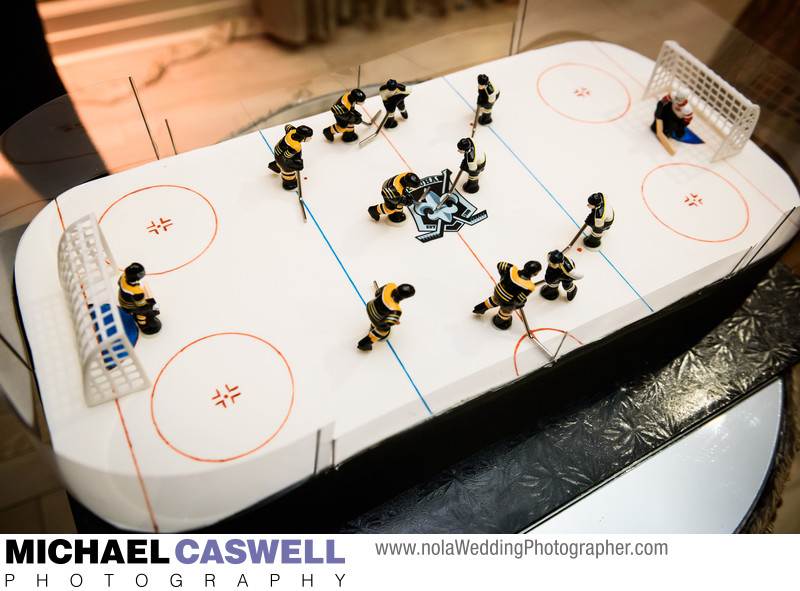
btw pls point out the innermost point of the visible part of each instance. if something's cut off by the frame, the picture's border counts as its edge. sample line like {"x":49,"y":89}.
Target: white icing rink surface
{"x":265,"y":309}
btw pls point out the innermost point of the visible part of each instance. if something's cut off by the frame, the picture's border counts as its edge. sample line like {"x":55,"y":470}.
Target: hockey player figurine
{"x":133,"y":299}
{"x":560,"y":269}
{"x":599,"y":220}
{"x":393,"y":96}
{"x":346,"y":115}
{"x":288,"y":154}
{"x":473,"y":163}
{"x":673,"y":115}
{"x":487,"y":95}
{"x":396,"y":192}
{"x":511,"y":293}
{"x":384,"y":312}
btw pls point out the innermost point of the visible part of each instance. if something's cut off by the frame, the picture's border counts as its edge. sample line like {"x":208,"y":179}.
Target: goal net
{"x":727,"y":110}
{"x":87,"y":272}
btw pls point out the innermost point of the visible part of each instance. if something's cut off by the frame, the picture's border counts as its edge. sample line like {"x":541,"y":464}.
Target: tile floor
{"x":216,"y":70}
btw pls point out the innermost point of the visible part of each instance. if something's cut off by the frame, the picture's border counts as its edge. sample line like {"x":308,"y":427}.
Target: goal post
{"x":87,"y":273}
{"x":727,"y":110}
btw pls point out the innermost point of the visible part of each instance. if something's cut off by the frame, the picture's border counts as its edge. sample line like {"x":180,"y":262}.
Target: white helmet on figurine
{"x":681,"y":95}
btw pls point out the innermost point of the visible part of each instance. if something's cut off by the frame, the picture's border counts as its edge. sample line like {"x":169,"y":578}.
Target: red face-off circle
{"x":222,"y":397}
{"x":583,"y":93}
{"x":695,"y":202}
{"x":163,"y":227}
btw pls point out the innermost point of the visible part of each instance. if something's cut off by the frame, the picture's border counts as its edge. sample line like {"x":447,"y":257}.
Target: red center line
{"x":476,"y":257}
{"x":383,"y":133}
{"x":399,"y":155}
{"x":463,"y":240}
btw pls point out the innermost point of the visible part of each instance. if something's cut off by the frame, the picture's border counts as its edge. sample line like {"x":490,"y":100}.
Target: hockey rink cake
{"x":255,"y":383}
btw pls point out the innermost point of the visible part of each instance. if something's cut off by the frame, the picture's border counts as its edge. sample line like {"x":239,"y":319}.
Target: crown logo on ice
{"x":450,"y":217}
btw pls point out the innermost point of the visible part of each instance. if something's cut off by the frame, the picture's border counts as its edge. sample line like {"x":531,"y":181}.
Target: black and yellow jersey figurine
{"x":289,"y":154}
{"x":384,"y":312}
{"x":396,"y":192}
{"x":133,"y":299}
{"x":511,"y":293}
{"x":346,"y":116}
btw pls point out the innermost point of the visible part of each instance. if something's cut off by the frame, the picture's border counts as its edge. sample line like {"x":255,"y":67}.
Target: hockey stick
{"x":530,"y":333}
{"x":373,"y":135}
{"x":475,"y":121}
{"x":663,"y":138}
{"x":371,"y":122}
{"x":450,"y":192}
{"x":574,"y":240}
{"x":300,"y":196}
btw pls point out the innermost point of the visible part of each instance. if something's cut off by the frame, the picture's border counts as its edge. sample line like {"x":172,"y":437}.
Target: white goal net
{"x":88,"y":273}
{"x":727,"y":110}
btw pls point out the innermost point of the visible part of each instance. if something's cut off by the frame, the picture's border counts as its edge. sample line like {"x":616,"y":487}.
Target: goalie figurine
{"x":599,"y":220}
{"x":560,"y":269}
{"x":672,"y":116}
{"x":394,"y":96}
{"x":384,"y":312}
{"x":289,"y":154}
{"x":511,"y":293}
{"x":396,"y":192}
{"x":346,"y":115}
{"x":136,"y":300}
